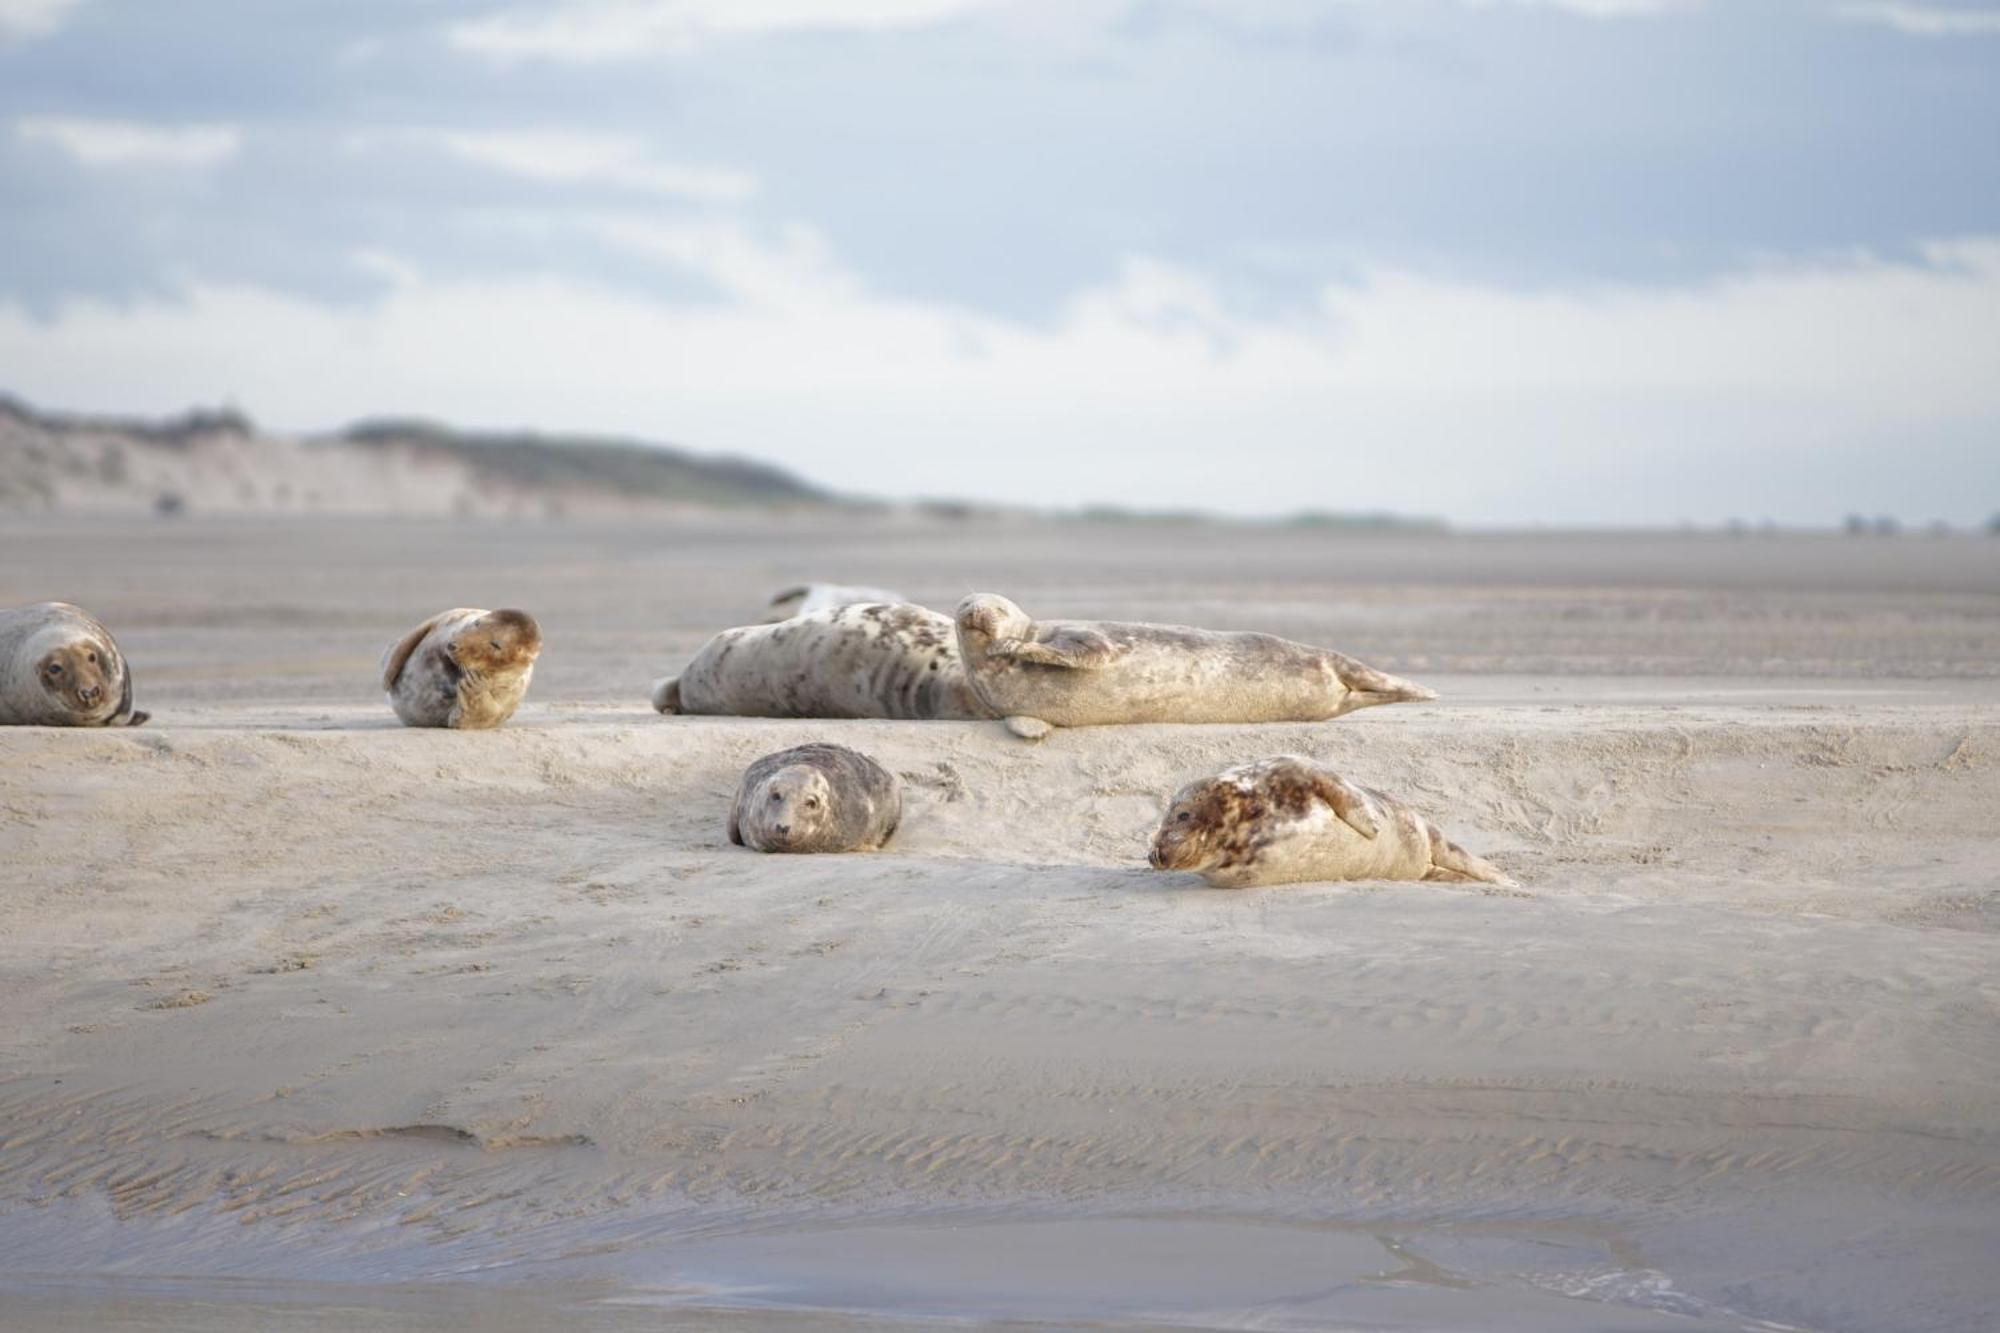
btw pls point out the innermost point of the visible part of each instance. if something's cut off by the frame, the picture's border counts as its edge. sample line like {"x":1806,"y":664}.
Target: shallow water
{"x":1109,"y":1272}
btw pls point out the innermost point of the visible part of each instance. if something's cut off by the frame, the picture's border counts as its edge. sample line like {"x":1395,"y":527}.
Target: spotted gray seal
{"x":60,"y":668}
{"x":463,"y":668}
{"x":1078,"y":673}
{"x":1287,"y":819}
{"x":815,"y":798}
{"x":873,"y":659}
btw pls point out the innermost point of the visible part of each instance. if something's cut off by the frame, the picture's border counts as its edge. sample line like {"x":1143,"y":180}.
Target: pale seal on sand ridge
{"x":1288,"y":820}
{"x":815,"y":798}
{"x":463,"y":668}
{"x":805,"y":598}
{"x":874,"y":659}
{"x":60,"y":668}
{"x":1079,"y":673}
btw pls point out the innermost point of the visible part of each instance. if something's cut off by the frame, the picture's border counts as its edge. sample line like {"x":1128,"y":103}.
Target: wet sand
{"x":310,"y":1011}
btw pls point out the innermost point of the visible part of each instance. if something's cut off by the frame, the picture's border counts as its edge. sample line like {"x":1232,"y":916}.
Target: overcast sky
{"x":1505,"y":261}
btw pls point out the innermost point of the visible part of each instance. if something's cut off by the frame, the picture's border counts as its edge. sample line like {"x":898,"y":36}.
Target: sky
{"x":1502,"y":261}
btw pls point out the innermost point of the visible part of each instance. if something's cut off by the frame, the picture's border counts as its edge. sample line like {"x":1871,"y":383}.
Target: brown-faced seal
{"x":464,"y":668}
{"x":875,"y":659}
{"x":815,"y":798}
{"x":1289,"y":820}
{"x":1079,"y":673}
{"x":60,"y":668}
{"x":805,"y":598}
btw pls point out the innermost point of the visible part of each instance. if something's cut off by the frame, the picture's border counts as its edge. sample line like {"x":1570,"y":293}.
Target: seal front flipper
{"x":126,"y":716}
{"x":1072,"y":646}
{"x":1347,"y":801}
{"x":1029,"y":728}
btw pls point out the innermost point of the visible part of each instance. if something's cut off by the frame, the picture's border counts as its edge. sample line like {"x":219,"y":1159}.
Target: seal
{"x":805,"y":598}
{"x":60,"y":668}
{"x":1287,"y":820}
{"x":1079,"y":673}
{"x":873,"y":659}
{"x":463,"y":668}
{"x":815,"y":798}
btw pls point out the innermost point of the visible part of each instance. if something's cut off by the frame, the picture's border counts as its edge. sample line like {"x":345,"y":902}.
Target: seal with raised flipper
{"x":872,"y":659}
{"x":805,"y":598}
{"x":815,"y":798}
{"x":60,"y":668}
{"x":1289,"y":820}
{"x":1077,"y":673}
{"x":464,"y":668}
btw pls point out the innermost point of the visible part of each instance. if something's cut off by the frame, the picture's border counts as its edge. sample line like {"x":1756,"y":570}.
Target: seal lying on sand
{"x":60,"y":668}
{"x":815,"y":798}
{"x":805,"y":598}
{"x":464,"y":668}
{"x":876,"y":659}
{"x":1288,"y":820}
{"x":1079,"y":673}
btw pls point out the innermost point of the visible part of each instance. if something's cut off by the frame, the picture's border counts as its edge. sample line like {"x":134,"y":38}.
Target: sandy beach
{"x":310,"y":1011}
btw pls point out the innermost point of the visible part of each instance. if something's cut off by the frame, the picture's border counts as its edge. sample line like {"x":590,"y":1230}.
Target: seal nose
{"x":782,"y":830}
{"x":90,"y":694}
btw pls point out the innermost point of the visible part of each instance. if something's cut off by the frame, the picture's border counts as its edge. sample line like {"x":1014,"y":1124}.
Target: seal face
{"x":60,"y":668}
{"x":871,"y":659}
{"x":815,"y":798}
{"x":1077,"y":673}
{"x":465,"y":668}
{"x":1288,"y":820}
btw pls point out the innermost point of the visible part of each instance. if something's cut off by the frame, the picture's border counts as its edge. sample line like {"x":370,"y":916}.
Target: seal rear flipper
{"x":1367,"y":687}
{"x":667,"y":695}
{"x":1452,"y":863}
{"x":399,"y":656}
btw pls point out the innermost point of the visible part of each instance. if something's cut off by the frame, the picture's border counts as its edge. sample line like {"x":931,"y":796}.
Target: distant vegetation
{"x":593,"y":463}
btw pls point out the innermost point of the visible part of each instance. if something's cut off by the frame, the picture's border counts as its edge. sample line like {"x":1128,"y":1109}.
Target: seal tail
{"x":667,"y":695}
{"x":1367,"y":687}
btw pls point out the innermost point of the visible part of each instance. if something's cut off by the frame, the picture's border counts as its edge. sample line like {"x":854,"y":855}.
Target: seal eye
{"x":812,"y":802}
{"x":93,"y":657}
{"x":55,"y":668}
{"x":776,"y":797}
{"x":1183,"y":817}
{"x":495,"y":643}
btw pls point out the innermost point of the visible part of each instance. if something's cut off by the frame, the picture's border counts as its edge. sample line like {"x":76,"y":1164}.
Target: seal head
{"x":60,"y":667}
{"x":815,"y":798}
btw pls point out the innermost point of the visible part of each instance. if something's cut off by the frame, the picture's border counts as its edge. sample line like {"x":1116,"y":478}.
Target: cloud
{"x":32,"y":18}
{"x":585,"y":31}
{"x":1403,"y":390}
{"x":1925,"y":20}
{"x":566,"y":157}
{"x":119,"y":143}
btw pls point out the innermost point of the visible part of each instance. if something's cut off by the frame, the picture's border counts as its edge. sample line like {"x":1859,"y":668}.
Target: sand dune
{"x":297,"y":993}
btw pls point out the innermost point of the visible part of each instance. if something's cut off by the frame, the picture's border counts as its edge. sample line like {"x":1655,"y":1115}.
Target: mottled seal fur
{"x":464,"y":668}
{"x":815,"y":798}
{"x":805,"y":598}
{"x":874,"y":659}
{"x":1288,"y":820}
{"x":60,"y":668}
{"x":1078,"y":673}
